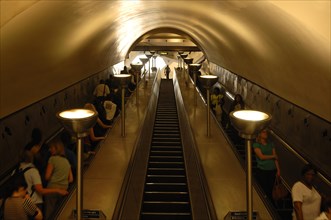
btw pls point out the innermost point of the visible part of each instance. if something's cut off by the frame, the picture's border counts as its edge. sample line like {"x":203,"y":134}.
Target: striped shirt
{"x":19,"y":208}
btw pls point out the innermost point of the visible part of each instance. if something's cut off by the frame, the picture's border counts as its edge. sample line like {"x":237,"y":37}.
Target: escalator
{"x":165,"y":179}
{"x":166,"y":193}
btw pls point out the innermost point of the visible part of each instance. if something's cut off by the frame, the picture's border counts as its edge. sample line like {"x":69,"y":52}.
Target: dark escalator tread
{"x":166,"y":178}
{"x":166,"y":196}
{"x":166,"y":192}
{"x":158,"y":164}
{"x":166,"y":187}
{"x":166,"y":158}
{"x":166,"y":206}
{"x":165,"y":216}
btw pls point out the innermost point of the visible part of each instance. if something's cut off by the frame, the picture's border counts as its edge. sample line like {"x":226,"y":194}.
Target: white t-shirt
{"x":32,"y":177}
{"x":310,"y":198}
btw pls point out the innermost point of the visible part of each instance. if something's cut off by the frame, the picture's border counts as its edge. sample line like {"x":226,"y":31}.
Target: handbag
{"x":279,"y":191}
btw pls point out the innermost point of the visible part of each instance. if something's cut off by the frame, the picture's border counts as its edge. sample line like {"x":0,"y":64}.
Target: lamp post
{"x":188,"y":61}
{"x":149,"y":64}
{"x":144,"y":61}
{"x":249,"y":123}
{"x":183,"y":56}
{"x":137,"y":68}
{"x":124,"y":80}
{"x":195,"y":68}
{"x":178,"y":62}
{"x":78,"y":121}
{"x":154,"y":63}
{"x":207,"y":82}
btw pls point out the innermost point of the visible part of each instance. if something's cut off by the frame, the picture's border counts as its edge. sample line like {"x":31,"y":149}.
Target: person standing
{"x":216,"y":100}
{"x":267,"y":162}
{"x":306,"y":199}
{"x":167,"y":71}
{"x":58,"y":174}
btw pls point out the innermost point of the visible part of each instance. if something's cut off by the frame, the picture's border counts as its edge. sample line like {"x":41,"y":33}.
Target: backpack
{"x":20,"y":172}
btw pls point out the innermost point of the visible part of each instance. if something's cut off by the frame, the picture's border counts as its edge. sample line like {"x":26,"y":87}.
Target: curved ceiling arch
{"x":271,"y":43}
{"x":165,"y":31}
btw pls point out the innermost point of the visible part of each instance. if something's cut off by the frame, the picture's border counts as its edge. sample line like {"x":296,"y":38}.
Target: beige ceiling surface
{"x":284,"y":46}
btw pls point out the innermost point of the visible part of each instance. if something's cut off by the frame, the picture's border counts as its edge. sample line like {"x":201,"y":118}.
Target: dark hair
{"x":16,"y":182}
{"x":307,"y":168}
{"x":58,"y":144}
{"x":216,"y":89}
{"x":29,"y":146}
{"x":36,"y":136}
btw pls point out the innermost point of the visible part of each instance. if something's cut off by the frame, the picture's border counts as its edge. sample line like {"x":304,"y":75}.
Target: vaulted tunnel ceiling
{"x":283,"y":46}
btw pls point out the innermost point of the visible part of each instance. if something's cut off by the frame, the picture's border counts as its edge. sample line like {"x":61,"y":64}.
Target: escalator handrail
{"x":289,"y":148}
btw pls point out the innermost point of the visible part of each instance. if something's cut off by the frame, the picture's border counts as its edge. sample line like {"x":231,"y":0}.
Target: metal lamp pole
{"x":249,"y":123}
{"x":195,"y":68}
{"x":207,"y":82}
{"x":78,"y":121}
{"x":124,"y":80}
{"x":137,"y":68}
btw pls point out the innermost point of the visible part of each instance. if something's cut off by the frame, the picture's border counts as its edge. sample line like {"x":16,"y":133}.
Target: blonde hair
{"x":58,"y":145}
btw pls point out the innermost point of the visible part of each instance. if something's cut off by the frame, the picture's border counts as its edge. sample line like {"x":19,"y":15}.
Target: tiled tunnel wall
{"x":16,"y":128}
{"x":303,"y":131}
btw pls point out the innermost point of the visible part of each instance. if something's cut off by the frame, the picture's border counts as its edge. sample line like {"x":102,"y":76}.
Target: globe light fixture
{"x":207,"y":81}
{"x":78,"y":122}
{"x":123,"y":81}
{"x":249,"y":123}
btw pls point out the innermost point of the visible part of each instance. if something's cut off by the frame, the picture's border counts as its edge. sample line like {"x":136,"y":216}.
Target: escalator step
{"x":166,"y":178}
{"x":165,"y":216}
{"x":166,"y":196}
{"x":166,"y":153}
{"x":166,"y":135}
{"x":158,"y":143}
{"x":165,"y":171}
{"x":166,"y":148}
{"x":166,"y":206}
{"x":166,"y":187}
{"x":166,"y":158}
{"x":166,"y":139}
{"x":158,"y":164}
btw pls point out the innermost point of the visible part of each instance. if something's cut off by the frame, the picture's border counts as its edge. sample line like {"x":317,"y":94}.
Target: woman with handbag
{"x":267,"y":162}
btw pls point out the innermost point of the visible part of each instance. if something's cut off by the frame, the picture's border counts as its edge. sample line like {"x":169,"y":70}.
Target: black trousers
{"x":266,"y":179}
